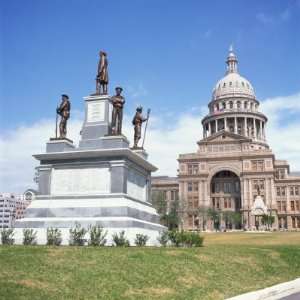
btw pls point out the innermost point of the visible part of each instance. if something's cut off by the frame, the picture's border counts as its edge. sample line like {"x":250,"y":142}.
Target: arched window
{"x":224,"y":105}
{"x":231,"y":105}
{"x":238,"y":104}
{"x":245,"y":104}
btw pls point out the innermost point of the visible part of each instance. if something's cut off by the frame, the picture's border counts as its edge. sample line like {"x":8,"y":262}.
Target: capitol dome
{"x":233,"y":84}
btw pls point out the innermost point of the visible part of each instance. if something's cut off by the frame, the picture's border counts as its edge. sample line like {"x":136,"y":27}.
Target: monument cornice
{"x":94,"y":153}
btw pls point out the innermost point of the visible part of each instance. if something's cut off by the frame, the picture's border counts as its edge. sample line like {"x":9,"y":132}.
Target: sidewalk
{"x":284,"y":291}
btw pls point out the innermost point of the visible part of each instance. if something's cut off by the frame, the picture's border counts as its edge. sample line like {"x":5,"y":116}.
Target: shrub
{"x":141,"y":239}
{"x":175,"y":237}
{"x":7,"y":236}
{"x":97,"y":236}
{"x":120,"y":239}
{"x":185,"y":239}
{"x":163,"y":238}
{"x":191,"y":239}
{"x":77,"y":235}
{"x":29,"y":237}
{"x":53,"y":236}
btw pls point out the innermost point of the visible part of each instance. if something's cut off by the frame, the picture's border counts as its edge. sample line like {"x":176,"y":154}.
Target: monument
{"x":100,"y":182}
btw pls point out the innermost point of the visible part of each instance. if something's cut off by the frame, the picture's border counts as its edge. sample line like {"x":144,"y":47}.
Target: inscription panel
{"x":136,"y":185}
{"x":80,"y":181}
{"x":96,"y":112}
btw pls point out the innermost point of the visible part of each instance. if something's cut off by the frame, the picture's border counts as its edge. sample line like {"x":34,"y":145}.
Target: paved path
{"x":292,"y":297}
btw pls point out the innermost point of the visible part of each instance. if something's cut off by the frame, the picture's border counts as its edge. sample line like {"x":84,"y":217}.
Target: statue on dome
{"x":102,"y":76}
{"x":118,"y":102}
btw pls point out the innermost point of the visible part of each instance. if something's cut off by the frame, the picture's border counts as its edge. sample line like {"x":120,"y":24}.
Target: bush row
{"x":97,"y":237}
{"x":180,"y":239}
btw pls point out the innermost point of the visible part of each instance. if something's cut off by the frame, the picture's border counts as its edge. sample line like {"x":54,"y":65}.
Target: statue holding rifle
{"x":64,"y":111}
{"x":137,"y":121}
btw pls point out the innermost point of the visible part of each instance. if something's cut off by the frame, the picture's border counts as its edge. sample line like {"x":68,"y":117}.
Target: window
{"x":297,"y":190}
{"x":297,"y":205}
{"x":292,"y":205}
{"x":257,"y":165}
{"x":190,"y":186}
{"x":195,"y":186}
{"x":225,"y":203}
{"x":238,"y":104}
{"x":279,"y":205}
{"x":193,"y":169}
{"x":245,"y":104}
{"x":291,"y":190}
{"x":278,"y":191}
{"x":231,"y":105}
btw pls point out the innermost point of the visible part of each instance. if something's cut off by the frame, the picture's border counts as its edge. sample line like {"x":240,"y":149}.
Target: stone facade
{"x":234,"y":163}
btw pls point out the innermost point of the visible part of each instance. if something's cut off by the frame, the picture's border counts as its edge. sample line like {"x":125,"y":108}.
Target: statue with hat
{"x":118,"y":102}
{"x":64,"y":111}
{"x":137,"y":121}
{"x":102,"y":75}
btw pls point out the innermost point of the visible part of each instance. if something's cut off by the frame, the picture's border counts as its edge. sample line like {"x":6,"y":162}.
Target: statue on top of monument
{"x":137,"y":121}
{"x":102,"y":75}
{"x":118,"y":102}
{"x":64,"y":111}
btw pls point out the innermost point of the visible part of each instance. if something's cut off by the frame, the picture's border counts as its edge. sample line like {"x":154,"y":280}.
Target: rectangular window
{"x":293,"y":222}
{"x":225,"y":203}
{"x":190,"y":186}
{"x":291,"y":190}
{"x":283,"y":204}
{"x":279,"y":205}
{"x":297,"y":205}
{"x":297,"y":190}
{"x":278,"y":191}
{"x":195,"y":186}
{"x":283,"y":191}
{"x":292,"y":205}
{"x":190,"y":170}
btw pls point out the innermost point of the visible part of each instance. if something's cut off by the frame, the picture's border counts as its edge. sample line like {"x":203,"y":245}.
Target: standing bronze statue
{"x":102,"y":76}
{"x":118,"y":102}
{"x":137,"y":121}
{"x":64,"y":111}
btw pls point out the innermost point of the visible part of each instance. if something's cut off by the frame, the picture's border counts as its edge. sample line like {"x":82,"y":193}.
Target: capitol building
{"x":234,"y":170}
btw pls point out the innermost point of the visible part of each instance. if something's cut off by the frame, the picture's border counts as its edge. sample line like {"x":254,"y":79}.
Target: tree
{"x":215,"y":216}
{"x":202,"y":213}
{"x":160,"y":204}
{"x":267,"y":220}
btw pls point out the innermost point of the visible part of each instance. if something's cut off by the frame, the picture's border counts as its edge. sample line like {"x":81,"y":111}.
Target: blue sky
{"x":166,"y":54}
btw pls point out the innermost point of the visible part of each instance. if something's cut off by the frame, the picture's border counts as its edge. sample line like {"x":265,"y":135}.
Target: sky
{"x":166,"y":55}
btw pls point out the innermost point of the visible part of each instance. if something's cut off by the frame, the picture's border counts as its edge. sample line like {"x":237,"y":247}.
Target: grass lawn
{"x":227,"y":265}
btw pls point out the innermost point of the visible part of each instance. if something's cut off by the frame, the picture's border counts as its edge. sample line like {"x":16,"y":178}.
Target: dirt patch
{"x":36,"y":284}
{"x":204,"y":258}
{"x":154,"y":292}
{"x":190,"y":281}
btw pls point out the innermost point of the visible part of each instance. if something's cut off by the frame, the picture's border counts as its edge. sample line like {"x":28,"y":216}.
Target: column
{"x":254,"y":128}
{"x":245,"y":126}
{"x":209,"y":129}
{"x":235,"y":125}
{"x":225,"y":124}
{"x":216,"y":125}
{"x":260,"y":130}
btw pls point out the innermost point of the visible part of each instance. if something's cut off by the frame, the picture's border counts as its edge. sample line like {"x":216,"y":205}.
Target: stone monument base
{"x":114,"y":213}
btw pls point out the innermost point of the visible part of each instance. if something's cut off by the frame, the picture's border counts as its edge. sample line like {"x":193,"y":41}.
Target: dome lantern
{"x":231,"y":61}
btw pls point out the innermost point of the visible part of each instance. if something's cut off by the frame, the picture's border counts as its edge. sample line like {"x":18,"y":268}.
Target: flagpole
{"x":148,"y":114}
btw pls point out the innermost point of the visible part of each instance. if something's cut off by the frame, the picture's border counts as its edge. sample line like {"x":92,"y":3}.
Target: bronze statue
{"x":102,"y":76}
{"x":118,"y":102}
{"x":64,"y":111}
{"x":137,"y":121}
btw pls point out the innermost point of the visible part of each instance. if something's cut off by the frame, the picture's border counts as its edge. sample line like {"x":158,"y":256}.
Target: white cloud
{"x":166,"y":138}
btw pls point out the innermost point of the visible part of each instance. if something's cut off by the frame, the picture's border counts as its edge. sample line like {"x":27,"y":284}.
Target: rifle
{"x":148,"y":115}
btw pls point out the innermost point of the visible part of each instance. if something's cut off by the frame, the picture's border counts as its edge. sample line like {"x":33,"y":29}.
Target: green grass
{"x":227,"y":265}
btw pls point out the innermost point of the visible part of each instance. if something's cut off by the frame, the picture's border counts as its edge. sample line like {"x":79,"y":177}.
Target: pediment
{"x":225,"y":136}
